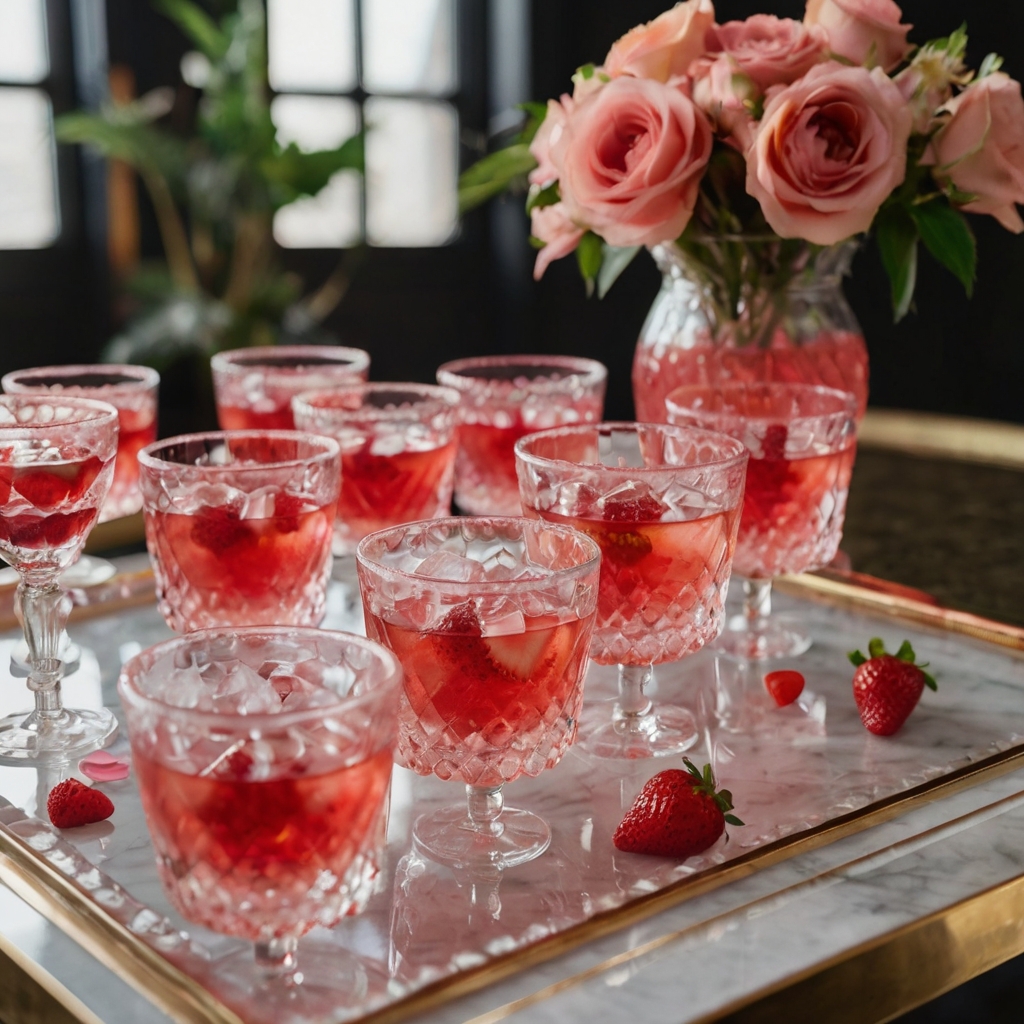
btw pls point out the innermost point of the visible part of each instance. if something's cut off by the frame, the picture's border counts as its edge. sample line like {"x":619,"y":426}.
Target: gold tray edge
{"x":68,"y":907}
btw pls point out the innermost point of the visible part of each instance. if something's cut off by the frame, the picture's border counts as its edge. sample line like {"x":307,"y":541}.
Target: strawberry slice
{"x":287,"y":510}
{"x":645,"y":509}
{"x":520,"y":654}
{"x":6,"y":476}
{"x":774,"y":443}
{"x":785,"y":685}
{"x":57,"y":483}
{"x":218,"y":529}
{"x":71,"y":804}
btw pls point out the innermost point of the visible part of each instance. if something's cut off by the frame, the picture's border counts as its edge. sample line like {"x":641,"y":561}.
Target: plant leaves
{"x":117,"y":136}
{"x":947,"y":236}
{"x":493,"y":174}
{"x":304,"y":174}
{"x":589,"y":254}
{"x":543,"y":196}
{"x":897,"y":238}
{"x":200,"y":28}
{"x":616,"y":259}
{"x":876,"y":647}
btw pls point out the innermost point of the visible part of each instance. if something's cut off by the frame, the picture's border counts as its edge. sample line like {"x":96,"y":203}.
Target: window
{"x":29,"y":217}
{"x":389,"y":65}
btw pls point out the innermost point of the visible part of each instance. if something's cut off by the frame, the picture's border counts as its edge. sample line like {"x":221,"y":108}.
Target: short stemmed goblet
{"x":663,"y":504}
{"x":491,"y":619}
{"x":56,"y":463}
{"x":264,"y":757}
{"x":802,"y":443}
{"x":254,"y":387}
{"x":504,"y":398}
{"x":239,"y":525}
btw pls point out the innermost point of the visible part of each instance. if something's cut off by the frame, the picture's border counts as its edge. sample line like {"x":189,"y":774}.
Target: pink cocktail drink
{"x":663,"y":505}
{"x":503,"y":399}
{"x":802,"y":443}
{"x":264,"y":758}
{"x":398,"y":444}
{"x":132,"y":390}
{"x":239,"y":526}
{"x":254,"y":387}
{"x":491,"y":619}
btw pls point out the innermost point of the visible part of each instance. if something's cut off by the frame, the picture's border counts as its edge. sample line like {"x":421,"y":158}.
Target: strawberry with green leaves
{"x":677,"y":814}
{"x":887,"y":687}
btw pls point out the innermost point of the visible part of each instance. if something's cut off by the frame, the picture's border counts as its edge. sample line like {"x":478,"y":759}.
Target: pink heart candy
{"x":103,"y":767}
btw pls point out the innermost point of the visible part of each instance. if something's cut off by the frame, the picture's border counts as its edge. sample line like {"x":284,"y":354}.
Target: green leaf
{"x":141,"y":145}
{"x":947,"y":236}
{"x":731,"y":819}
{"x":542,"y":196}
{"x":856,"y":658}
{"x":535,"y":115}
{"x":929,"y":681}
{"x":493,"y":174}
{"x":897,"y":242}
{"x":906,"y":652}
{"x":586,"y":71}
{"x":197,"y":25}
{"x":589,"y":254}
{"x":616,"y":259}
{"x":304,"y":174}
{"x":876,"y":647}
{"x":992,"y":62}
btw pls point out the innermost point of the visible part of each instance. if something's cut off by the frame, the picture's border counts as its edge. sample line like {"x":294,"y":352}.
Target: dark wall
{"x":415,"y":308}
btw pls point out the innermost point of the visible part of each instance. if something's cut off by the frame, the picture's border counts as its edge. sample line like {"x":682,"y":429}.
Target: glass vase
{"x":749,"y":309}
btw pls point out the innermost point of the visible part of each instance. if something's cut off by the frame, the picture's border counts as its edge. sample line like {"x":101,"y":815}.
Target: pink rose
{"x":828,"y":151}
{"x":722,"y":93}
{"x":981,"y":148}
{"x":547,"y":134}
{"x":665,"y":47}
{"x":770,"y":50}
{"x":630,"y":159}
{"x":552,"y":226}
{"x":862,"y":29}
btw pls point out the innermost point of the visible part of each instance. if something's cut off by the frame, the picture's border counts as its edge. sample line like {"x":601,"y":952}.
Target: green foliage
{"x":947,"y":236}
{"x":589,"y":256}
{"x":493,"y":174}
{"x":897,"y":238}
{"x":614,"y":261}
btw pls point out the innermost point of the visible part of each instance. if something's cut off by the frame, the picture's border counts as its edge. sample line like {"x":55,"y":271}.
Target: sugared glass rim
{"x":480,"y":586}
{"x":459,"y":373}
{"x":92,"y":410}
{"x":698,"y":434}
{"x":330,"y":449}
{"x":423,"y":398}
{"x":130,"y":693}
{"x":141,"y":378}
{"x":846,"y":404}
{"x":237,"y":361}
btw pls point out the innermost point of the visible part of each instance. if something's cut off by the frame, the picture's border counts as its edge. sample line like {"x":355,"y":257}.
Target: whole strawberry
{"x":887,"y":687}
{"x":677,"y":814}
{"x":71,"y":804}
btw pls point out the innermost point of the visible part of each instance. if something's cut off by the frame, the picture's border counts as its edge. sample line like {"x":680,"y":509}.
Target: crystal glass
{"x":491,"y":619}
{"x":504,"y":398}
{"x":802,"y":443}
{"x":737,"y":308}
{"x":239,"y":526}
{"x":263,"y":757}
{"x":398,"y":445}
{"x":56,"y":462}
{"x":663,"y":504}
{"x":254,"y":387}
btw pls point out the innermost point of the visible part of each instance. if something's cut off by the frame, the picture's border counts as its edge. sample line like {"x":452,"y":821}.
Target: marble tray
{"x":801,"y":776}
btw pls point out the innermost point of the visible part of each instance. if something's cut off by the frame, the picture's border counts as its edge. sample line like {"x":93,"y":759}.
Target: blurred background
{"x":395,"y":270}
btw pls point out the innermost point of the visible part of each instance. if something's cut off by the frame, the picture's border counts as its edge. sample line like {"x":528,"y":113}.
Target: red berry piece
{"x":785,"y":685}
{"x":677,"y":814}
{"x":71,"y":804}
{"x":219,"y":528}
{"x":645,"y":509}
{"x":887,"y":687}
{"x":774,"y":443}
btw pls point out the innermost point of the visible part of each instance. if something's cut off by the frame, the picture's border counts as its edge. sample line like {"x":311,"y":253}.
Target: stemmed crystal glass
{"x":491,"y":619}
{"x":264,"y":757}
{"x":802,"y":441}
{"x":56,"y":463}
{"x":663,"y":504}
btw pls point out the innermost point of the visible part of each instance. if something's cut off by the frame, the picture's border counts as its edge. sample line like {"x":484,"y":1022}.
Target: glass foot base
{"x":777,"y":636}
{"x":666,"y":729}
{"x":88,"y":571}
{"x":26,"y":739}
{"x":446,"y":836}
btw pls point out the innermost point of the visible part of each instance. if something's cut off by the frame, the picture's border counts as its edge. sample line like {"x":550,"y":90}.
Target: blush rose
{"x":769,"y":50}
{"x":828,"y":151}
{"x":547,"y":134}
{"x":862,"y":29}
{"x":665,"y":47}
{"x":981,"y":148}
{"x":723,"y":93}
{"x":629,"y":161}
{"x":552,"y":226}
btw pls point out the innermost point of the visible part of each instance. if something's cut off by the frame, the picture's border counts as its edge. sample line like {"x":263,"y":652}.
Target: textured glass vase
{"x":737,"y":308}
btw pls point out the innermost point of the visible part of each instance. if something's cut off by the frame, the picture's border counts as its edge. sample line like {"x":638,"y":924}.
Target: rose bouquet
{"x":794,"y":135}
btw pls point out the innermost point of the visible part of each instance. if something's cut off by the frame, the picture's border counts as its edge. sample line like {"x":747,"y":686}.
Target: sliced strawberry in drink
{"x":520,"y":655}
{"x":287,"y":510}
{"x":6,"y":476}
{"x":47,"y":487}
{"x":219,"y":529}
{"x":644,"y":509}
{"x":774,"y":443}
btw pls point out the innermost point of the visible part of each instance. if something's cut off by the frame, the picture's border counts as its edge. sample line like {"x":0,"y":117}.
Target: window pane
{"x":409,"y":46}
{"x":28,"y":198}
{"x":411,"y":172}
{"x":329,"y":220}
{"x":23,"y":56}
{"x":312,"y":45}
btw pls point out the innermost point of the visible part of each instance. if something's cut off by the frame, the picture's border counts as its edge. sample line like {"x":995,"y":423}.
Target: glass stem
{"x":278,"y":960}
{"x":484,"y":804}
{"x":757,"y":599}
{"x":44,"y":613}
{"x":633,"y":703}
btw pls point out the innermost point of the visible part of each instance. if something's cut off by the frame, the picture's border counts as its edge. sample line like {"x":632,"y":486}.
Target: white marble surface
{"x":787,"y":769}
